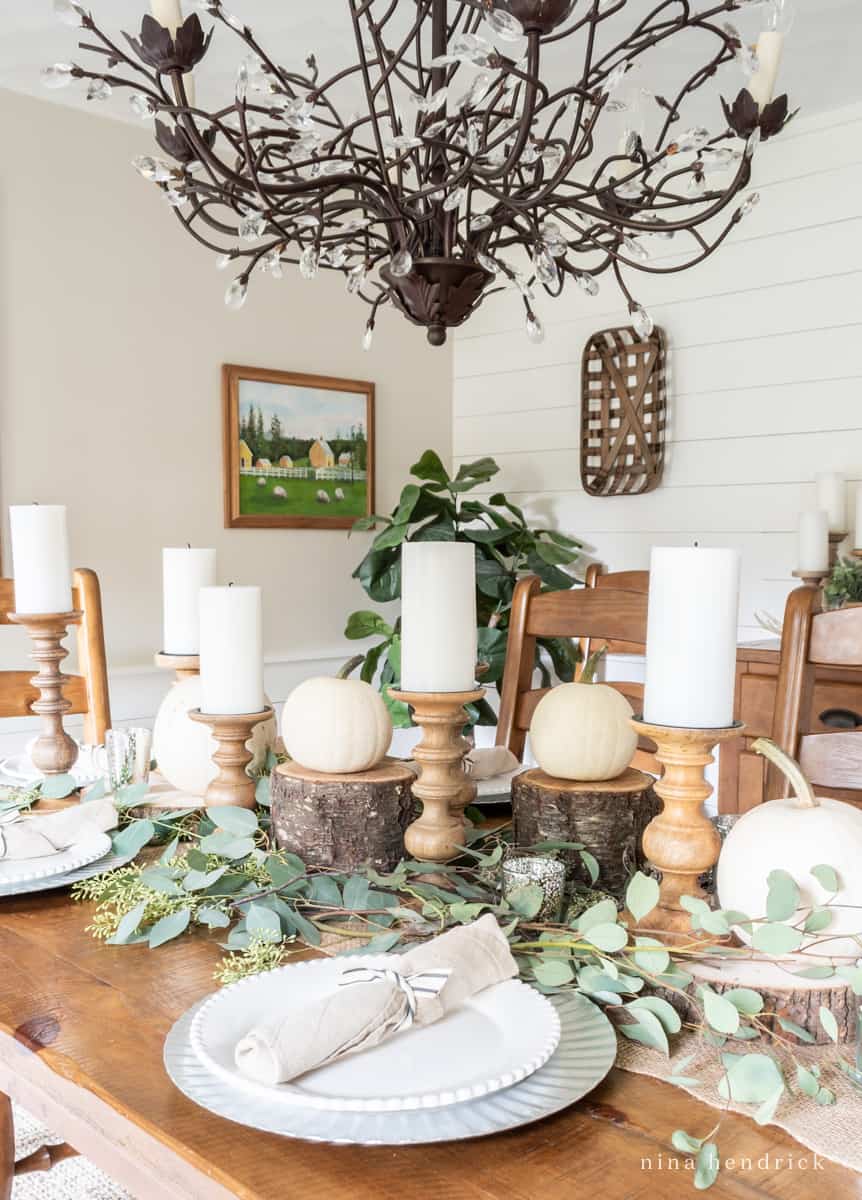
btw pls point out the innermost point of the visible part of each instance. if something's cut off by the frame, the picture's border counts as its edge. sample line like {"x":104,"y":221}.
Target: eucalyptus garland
{"x":220,"y":872}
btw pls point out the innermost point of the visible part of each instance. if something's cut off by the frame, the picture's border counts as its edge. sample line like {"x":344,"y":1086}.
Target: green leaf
{"x":406,"y":504}
{"x":665,"y":1012}
{"x":749,"y":1078}
{"x":591,"y":864}
{"x":797,"y":1030}
{"x":57,"y":787}
{"x":170,"y":851}
{"x":225,"y":845}
{"x":552,"y":577}
{"x":715,"y":922}
{"x":481,"y":470}
{"x":492,"y":650}
{"x":133,"y":838}
{"x":498,"y":500}
{"x":303,"y":928}
{"x":380,"y":575}
{"x":161,"y":880}
{"x":212,"y":917}
{"x":766,"y":1111}
{"x":240,"y":822}
{"x":642,"y":895}
{"x":356,"y":891}
{"x":263,"y":792}
{"x":853,"y":975}
{"x":808,"y":1083}
{"x":555,"y":555}
{"x":390,"y":537}
{"x":602,"y":913}
{"x":169,"y":927}
{"x":815,"y":973}
{"x":782,"y":899}
{"x":827,"y":877}
{"x":263,"y":922}
{"x":707,"y":1167}
{"x":697,"y":908}
{"x":366,"y":623}
{"x":489,"y":537}
{"x":746,"y":1000}
{"x":825,"y":1096}
{"x":199,"y":881}
{"x":827,"y":1020}
{"x":607,"y":937}
{"x":554,"y":972}
{"x":722,"y":1015}
{"x":325,"y":890}
{"x":361,"y":524}
{"x":655,"y":961}
{"x":526,"y":900}
{"x":97,"y":791}
{"x":381,"y":943}
{"x":430,"y":467}
{"x":817,"y":920}
{"x":648,"y":1030}
{"x":776,"y":939}
{"x":684,"y":1142}
{"x":128,"y":924}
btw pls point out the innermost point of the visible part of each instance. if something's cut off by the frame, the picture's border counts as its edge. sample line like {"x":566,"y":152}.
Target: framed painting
{"x":298,"y":450}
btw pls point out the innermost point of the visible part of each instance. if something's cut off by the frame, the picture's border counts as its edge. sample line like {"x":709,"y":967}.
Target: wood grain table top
{"x":82,"y":1028}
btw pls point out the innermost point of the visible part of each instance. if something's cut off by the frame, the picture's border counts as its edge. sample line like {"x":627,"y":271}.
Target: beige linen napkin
{"x":36,"y":836}
{"x":359,"y":1015}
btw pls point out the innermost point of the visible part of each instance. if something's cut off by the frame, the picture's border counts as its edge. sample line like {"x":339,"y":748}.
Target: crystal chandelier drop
{"x":445,"y":161}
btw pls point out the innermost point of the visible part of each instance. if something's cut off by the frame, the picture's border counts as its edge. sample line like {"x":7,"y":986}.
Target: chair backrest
{"x":832,"y":760}
{"x":87,"y":691}
{"x":597,"y":614}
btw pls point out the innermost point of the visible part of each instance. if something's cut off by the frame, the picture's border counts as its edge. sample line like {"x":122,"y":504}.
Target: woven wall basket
{"x":623,"y":412}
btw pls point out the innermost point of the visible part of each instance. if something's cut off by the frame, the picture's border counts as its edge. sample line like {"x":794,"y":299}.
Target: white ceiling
{"x":820,"y":68}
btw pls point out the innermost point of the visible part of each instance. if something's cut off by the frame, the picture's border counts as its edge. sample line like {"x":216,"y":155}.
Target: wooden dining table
{"x":82,"y":1029}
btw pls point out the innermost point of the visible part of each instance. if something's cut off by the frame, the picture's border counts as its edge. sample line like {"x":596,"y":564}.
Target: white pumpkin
{"x":583,"y":731}
{"x":795,"y":835}
{"x":183,"y":749}
{"x":336,"y":726}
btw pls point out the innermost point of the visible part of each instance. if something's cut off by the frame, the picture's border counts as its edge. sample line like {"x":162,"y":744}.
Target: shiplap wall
{"x":765,"y":377}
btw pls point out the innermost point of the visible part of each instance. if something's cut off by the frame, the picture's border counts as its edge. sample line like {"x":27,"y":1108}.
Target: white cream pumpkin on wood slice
{"x":336,"y":726}
{"x":814,"y":839}
{"x":583,"y":730}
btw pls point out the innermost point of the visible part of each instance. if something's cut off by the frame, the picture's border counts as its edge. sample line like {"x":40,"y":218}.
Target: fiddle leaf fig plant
{"x":438,"y":507}
{"x":844,"y":585}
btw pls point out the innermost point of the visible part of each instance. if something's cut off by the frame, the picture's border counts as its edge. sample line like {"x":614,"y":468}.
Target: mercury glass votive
{"x":723,"y":822}
{"x":521,"y":867}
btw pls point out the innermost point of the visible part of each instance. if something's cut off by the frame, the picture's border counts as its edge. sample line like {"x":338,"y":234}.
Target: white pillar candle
{"x":691,"y":637}
{"x":184,"y":572}
{"x":40,"y":558}
{"x":167,"y":13}
{"x":761,"y":85}
{"x":438,"y":617}
{"x":231,"y":650}
{"x":832,"y":498}
{"x":813,"y":540}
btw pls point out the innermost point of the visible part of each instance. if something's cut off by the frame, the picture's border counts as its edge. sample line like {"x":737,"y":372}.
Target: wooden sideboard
{"x":741,"y":773}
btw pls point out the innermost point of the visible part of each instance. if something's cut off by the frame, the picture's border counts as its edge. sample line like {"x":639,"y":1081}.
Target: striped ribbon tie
{"x":420,"y":983}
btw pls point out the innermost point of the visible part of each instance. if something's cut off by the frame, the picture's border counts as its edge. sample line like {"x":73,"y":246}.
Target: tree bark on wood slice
{"x":608,"y":816}
{"x":784,"y":995}
{"x":343,"y":821}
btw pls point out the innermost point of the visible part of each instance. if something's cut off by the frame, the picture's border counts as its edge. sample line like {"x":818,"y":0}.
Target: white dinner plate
{"x":18,"y":771}
{"x":586,"y":1053}
{"x":495,"y":1039}
{"x":25,"y":870}
{"x":98,"y":867}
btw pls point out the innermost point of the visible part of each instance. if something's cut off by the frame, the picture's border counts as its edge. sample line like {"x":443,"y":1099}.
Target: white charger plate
{"x":98,"y":867}
{"x":495,"y":1039}
{"x":18,"y":771}
{"x":26,"y":870}
{"x":586,"y":1053}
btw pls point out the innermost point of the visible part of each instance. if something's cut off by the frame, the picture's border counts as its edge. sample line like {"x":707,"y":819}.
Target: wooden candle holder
{"x":443,"y":785}
{"x":812,"y":579}
{"x":835,"y":540}
{"x":232,"y":785}
{"x":54,"y":752}
{"x":681,"y":841}
{"x":185,"y":666}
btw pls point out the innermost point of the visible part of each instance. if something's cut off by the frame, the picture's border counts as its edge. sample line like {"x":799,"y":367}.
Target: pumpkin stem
{"x":588,"y":671}
{"x":350,"y":666}
{"x":790,"y":767}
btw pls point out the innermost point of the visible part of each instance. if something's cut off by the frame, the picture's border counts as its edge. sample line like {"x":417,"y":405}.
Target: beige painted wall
{"x":112,"y":334}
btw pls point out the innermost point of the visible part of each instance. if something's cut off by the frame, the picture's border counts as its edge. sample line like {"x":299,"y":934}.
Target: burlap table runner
{"x":833,"y":1131}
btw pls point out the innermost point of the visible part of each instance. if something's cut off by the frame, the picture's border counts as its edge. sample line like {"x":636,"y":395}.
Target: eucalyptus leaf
{"x":199,"y":881}
{"x":607,"y":937}
{"x":776,"y":939}
{"x":128,"y":924}
{"x":263,"y":922}
{"x":818,"y":919}
{"x":707,"y":1166}
{"x":96,"y":791}
{"x":827,"y":877}
{"x":602,"y":913}
{"x":381,"y":943}
{"x":827,"y":1020}
{"x":791,"y":1027}
{"x":642,"y":895}
{"x":825,"y":1096}
{"x":304,"y":928}
{"x":170,"y":851}
{"x":721,"y":1013}
{"x":665,"y":1012}
{"x":749,"y":1078}
{"x":356,"y":891}
{"x":325,"y":890}
{"x":766,"y":1111}
{"x":169,"y":927}
{"x":853,"y":975}
{"x":161,"y":880}
{"x":807,"y":1081}
{"x":815,"y":973}
{"x":591,"y":864}
{"x":782,"y":899}
{"x":263,"y":792}
{"x":133,"y":838}
{"x":746,"y":1000}
{"x":648,"y":1030}
{"x":240,"y":822}
{"x":555,"y":972}
{"x":212,"y":917}
{"x":651,"y":955}
{"x":684,"y":1142}
{"x":526,"y":900}
{"x":57,"y":787}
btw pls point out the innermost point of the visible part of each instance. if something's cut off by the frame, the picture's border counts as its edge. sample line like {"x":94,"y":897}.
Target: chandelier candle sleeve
{"x":40,"y":558}
{"x":832,"y":497}
{"x":691,"y":637}
{"x":813,"y":541}
{"x":231,"y":651}
{"x":168,"y":13}
{"x":770,"y":47}
{"x":438,"y":617}
{"x":184,"y":572}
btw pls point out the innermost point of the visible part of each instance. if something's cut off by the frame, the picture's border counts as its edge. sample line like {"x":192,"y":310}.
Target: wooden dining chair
{"x":88,"y":690}
{"x":812,"y":641}
{"x":610,"y":610}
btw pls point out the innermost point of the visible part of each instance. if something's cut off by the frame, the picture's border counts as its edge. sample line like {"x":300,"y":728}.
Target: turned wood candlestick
{"x":681,"y":841}
{"x":54,"y":752}
{"x":812,"y":579}
{"x":185,"y":666}
{"x":835,"y":540}
{"x":443,"y":785}
{"x":232,"y":785}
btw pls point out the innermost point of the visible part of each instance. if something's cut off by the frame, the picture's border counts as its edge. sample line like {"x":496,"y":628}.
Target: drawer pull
{"x":840,"y":718}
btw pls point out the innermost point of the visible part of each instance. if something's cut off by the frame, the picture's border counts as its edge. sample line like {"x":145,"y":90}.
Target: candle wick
{"x":697,"y":545}
{"x":188,"y":545}
{"x":230,"y":584}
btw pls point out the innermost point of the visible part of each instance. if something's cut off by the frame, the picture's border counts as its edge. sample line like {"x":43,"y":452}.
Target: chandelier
{"x":446,"y":162}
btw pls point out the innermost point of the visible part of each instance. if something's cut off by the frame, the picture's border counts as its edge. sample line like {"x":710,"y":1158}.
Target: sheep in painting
{"x":261,"y":482}
{"x":280,"y":493}
{"x":339,"y":493}
{"x":322,"y":497}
